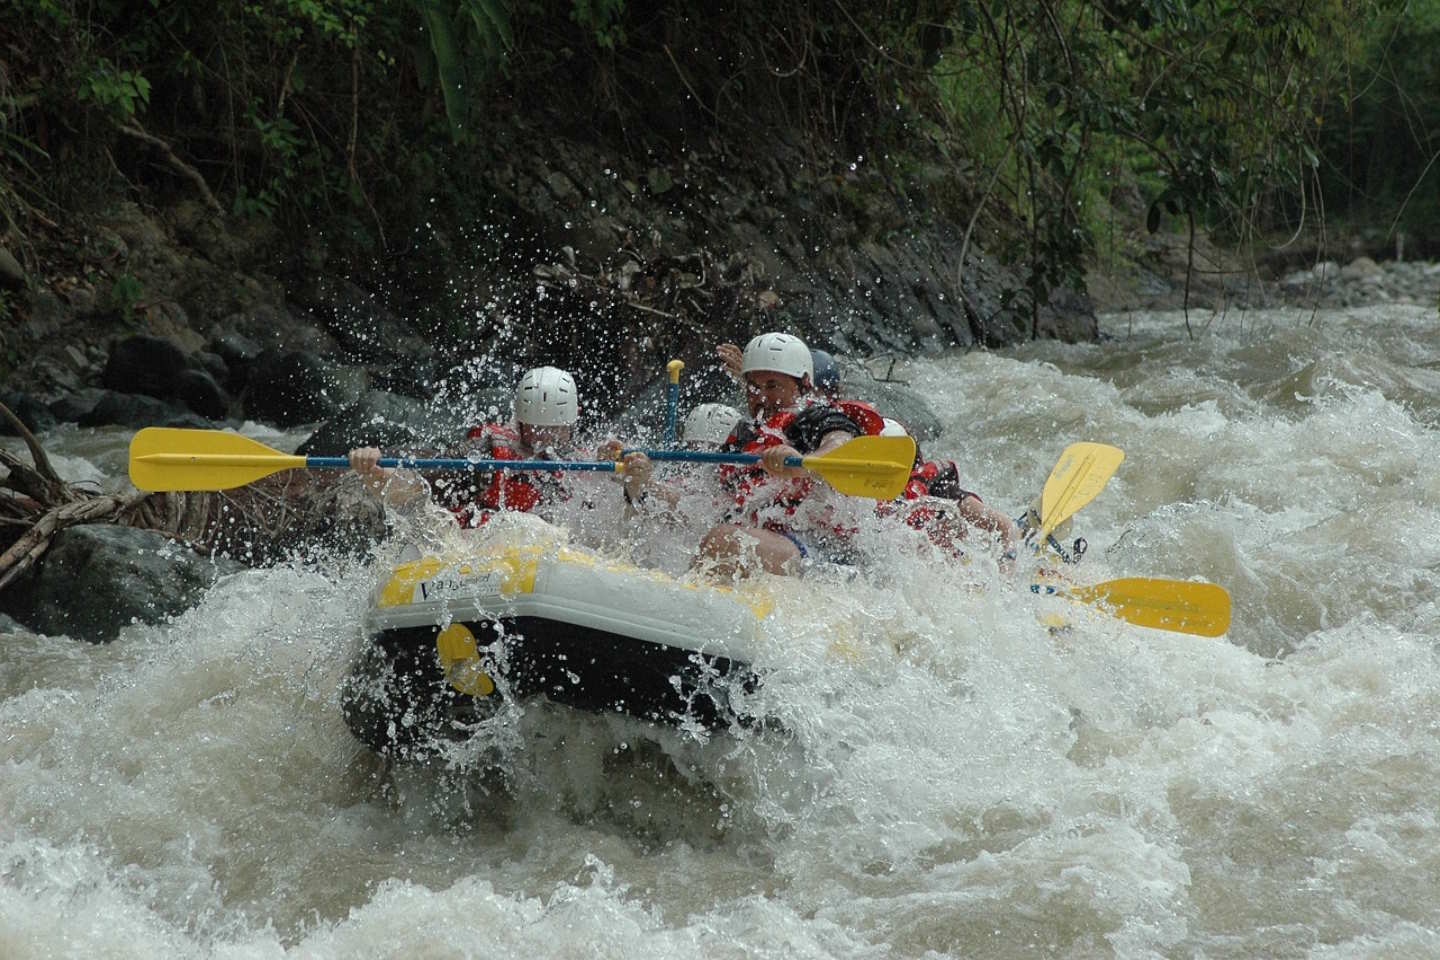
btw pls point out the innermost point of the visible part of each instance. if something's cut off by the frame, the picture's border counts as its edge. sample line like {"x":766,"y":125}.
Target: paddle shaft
{"x":165,"y":458}
{"x":454,"y":463}
{"x":342,"y":463}
{"x":710,"y":456}
{"x":672,"y":402}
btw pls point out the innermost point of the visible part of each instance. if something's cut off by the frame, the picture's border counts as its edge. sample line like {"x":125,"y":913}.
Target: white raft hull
{"x":451,"y":635}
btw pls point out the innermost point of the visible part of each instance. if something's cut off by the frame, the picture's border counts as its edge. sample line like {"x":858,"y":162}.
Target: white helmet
{"x":546,"y":398}
{"x":709,"y":423}
{"x":893,"y":428}
{"x":779,"y":352}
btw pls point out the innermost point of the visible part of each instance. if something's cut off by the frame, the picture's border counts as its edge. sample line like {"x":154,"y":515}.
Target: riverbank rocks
{"x":295,"y":387}
{"x":12,"y":275}
{"x":34,"y":413}
{"x":399,"y":425}
{"x":160,"y":368}
{"x":1224,"y":280}
{"x":96,"y":579}
{"x":1363,"y":281}
{"x":892,"y":398}
{"x":112,"y":407}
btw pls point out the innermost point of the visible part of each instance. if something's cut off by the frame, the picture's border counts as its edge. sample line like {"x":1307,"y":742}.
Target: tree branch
{"x":189,"y":172}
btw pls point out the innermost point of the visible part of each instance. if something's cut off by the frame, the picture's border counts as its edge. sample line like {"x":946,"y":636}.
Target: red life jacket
{"x":929,"y":478}
{"x":506,"y":489}
{"x":753,"y":488}
{"x":940,"y":478}
{"x":866,"y":417}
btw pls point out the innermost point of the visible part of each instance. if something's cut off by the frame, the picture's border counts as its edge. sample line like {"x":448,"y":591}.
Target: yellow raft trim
{"x":518,"y":566}
{"x":460,"y":661}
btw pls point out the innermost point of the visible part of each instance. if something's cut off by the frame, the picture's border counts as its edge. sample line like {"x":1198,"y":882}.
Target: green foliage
{"x":123,"y":92}
{"x":1387,"y":92}
{"x":125,"y":293}
{"x":289,"y":20}
{"x":601,"y":19}
{"x":1211,"y":108}
{"x":468,"y":42}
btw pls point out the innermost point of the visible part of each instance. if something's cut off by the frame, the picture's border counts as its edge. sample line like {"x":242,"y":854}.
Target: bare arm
{"x":397,"y":488}
{"x":986,"y":517}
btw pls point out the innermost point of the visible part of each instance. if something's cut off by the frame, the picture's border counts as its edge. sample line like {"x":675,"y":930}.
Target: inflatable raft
{"x":452,"y":635}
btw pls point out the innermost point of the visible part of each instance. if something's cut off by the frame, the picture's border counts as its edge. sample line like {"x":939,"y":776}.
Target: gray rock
{"x":71,"y":407}
{"x":238,"y":352}
{"x":276,"y":328}
{"x":48,"y":316}
{"x":9,"y":624}
{"x":231,"y":345}
{"x":893,"y":400}
{"x":399,"y":425}
{"x":297,"y":387}
{"x":145,"y":364}
{"x":56,"y":377}
{"x":12,"y":275}
{"x":32,"y":412}
{"x":561,"y":186}
{"x":95,"y":579}
{"x":1360,"y":268}
{"x":137,"y":410}
{"x":199,"y":391}
{"x":133,"y":228}
{"x":365,"y":329}
{"x":213,"y":364}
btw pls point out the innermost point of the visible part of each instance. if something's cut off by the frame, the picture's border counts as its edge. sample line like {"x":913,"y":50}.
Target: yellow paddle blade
{"x":1183,"y":606}
{"x":876,"y":467}
{"x":166,"y":458}
{"x":1079,"y":474}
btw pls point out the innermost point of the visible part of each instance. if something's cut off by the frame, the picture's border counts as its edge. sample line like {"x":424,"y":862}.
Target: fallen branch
{"x":34,"y":542}
{"x":189,"y":172}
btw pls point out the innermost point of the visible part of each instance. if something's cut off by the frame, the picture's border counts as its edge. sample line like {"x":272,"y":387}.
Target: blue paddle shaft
{"x":673,"y":401}
{"x":710,"y":456}
{"x":423,"y":463}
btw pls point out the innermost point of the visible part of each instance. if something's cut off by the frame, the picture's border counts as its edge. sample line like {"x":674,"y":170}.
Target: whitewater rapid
{"x":959,"y":781}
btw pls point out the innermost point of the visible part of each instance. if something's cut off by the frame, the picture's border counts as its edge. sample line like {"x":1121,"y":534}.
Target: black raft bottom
{"x":397,"y":697}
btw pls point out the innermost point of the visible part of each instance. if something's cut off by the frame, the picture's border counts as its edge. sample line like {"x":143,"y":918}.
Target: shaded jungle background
{"x":691,"y":159}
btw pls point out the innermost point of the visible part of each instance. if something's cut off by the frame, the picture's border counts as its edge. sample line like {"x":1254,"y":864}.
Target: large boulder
{"x":893,"y":400}
{"x":238,"y":352}
{"x":366,"y":330}
{"x":198,"y":390}
{"x":159,"y":367}
{"x":396,"y":424}
{"x":32,"y":412}
{"x":136,"y":410}
{"x":288,"y":388}
{"x":95,"y":579}
{"x":70,"y":407}
{"x":144,"y":364}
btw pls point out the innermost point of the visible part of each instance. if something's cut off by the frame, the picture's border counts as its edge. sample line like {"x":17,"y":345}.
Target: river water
{"x":962,"y":783}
